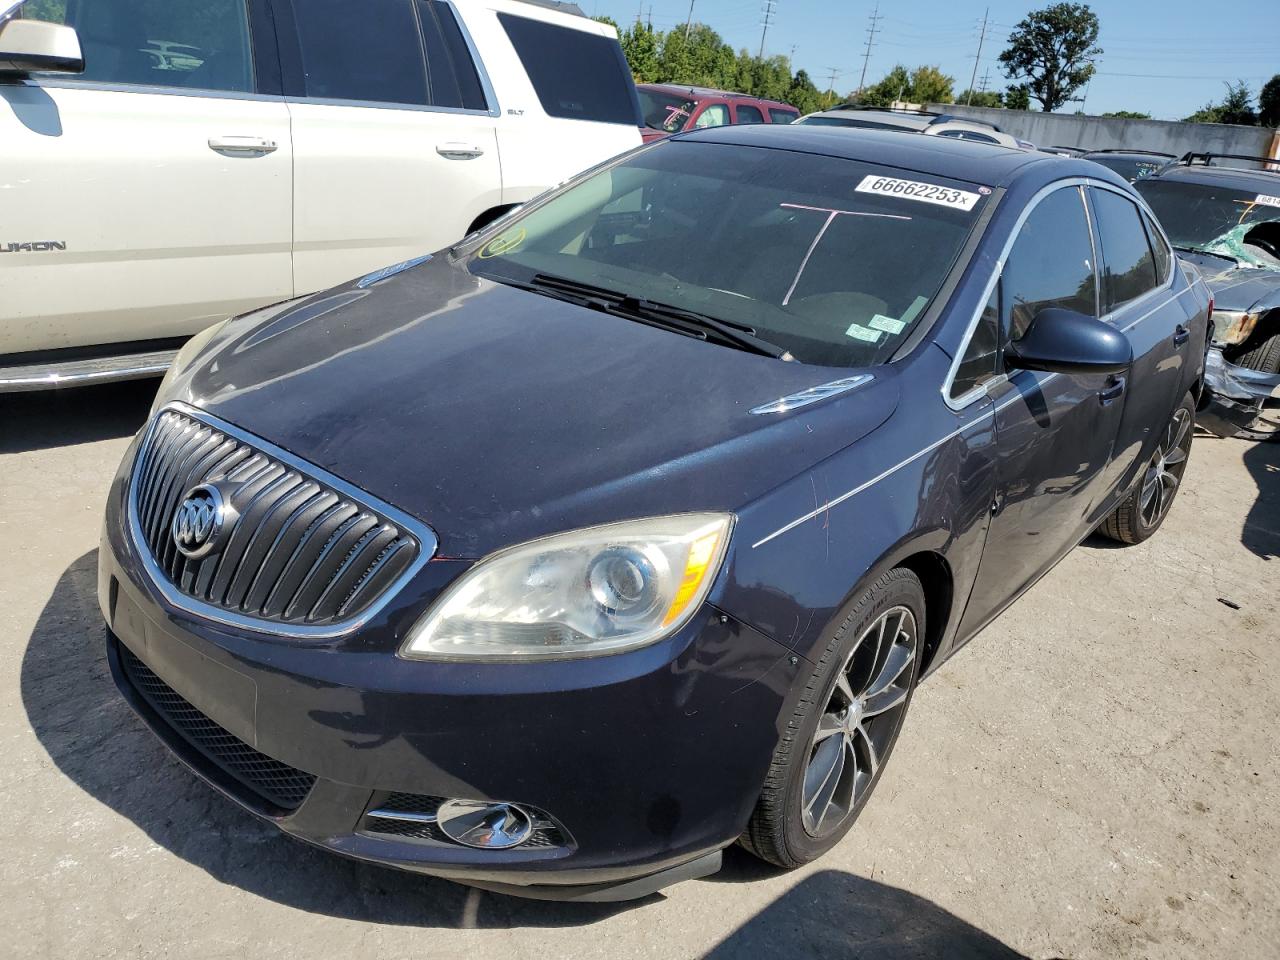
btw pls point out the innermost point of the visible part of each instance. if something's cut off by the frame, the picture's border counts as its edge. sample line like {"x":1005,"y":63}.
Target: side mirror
{"x":33,"y":46}
{"x":1063,"y":341}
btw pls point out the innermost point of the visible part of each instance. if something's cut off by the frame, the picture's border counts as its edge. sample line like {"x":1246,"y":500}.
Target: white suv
{"x":167,"y":163}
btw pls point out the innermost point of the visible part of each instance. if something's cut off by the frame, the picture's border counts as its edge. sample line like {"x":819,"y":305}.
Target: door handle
{"x":1180,"y":335}
{"x":1112,"y":391}
{"x":459,"y":151}
{"x":242,"y":145}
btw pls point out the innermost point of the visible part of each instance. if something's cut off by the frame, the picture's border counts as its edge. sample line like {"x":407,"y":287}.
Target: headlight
{"x":599,"y":590}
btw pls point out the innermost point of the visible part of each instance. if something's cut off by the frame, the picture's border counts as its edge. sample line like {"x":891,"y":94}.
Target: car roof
{"x":1235,"y":177}
{"x":711,"y":92}
{"x":975,"y":162}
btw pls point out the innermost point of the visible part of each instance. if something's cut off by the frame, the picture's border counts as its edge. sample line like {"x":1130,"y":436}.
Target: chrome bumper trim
{"x":74,"y":373}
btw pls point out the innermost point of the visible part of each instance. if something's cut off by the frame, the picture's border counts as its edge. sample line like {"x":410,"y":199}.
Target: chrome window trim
{"x":427,"y":539}
{"x":972,"y":395}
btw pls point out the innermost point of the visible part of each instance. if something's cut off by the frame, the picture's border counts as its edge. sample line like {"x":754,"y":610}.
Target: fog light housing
{"x":486,"y":826}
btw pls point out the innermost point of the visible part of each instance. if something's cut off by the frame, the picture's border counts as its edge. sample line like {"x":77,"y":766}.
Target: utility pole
{"x":978,"y":59}
{"x":792,"y":56}
{"x":768,"y":20}
{"x":871,"y":36}
{"x":831,"y":84}
{"x":688,"y":21}
{"x":986,"y":80}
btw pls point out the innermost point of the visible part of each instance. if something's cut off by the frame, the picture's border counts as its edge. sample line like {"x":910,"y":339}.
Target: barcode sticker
{"x":915,"y":190}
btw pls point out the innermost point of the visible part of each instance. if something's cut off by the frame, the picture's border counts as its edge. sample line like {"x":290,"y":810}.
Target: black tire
{"x":1265,"y":356}
{"x":778,"y":831}
{"x":1138,"y":517}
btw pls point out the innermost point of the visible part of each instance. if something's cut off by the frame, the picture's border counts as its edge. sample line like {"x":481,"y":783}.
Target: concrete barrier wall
{"x":1102,"y":133}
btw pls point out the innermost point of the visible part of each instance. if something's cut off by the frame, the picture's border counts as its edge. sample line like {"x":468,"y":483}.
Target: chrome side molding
{"x":70,"y":373}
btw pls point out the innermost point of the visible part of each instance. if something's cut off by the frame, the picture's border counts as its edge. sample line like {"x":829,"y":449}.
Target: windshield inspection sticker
{"x":1268,"y":200}
{"x":914,"y":190}
{"x":887,"y":324}
{"x":865,"y":334}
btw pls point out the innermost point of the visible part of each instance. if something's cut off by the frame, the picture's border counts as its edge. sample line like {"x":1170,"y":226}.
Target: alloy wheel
{"x":1164,"y":472}
{"x":860,"y":721}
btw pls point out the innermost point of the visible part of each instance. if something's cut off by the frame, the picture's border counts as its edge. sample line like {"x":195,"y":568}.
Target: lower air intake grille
{"x":297,"y":549}
{"x":277,"y":783}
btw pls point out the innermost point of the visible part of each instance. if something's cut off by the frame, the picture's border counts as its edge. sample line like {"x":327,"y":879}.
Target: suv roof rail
{"x":1149,"y":153}
{"x":1270,"y":164}
{"x":867,"y":106}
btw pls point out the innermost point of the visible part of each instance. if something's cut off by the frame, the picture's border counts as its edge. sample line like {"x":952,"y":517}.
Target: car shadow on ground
{"x":832,"y":915}
{"x":56,"y":418}
{"x":1261,"y":531}
{"x":96,"y":741}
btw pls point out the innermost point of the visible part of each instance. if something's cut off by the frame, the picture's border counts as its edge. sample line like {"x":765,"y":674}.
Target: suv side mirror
{"x":1063,"y":341}
{"x":30,"y":46}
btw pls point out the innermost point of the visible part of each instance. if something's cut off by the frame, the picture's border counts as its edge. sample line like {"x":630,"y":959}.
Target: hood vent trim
{"x":804,"y":398}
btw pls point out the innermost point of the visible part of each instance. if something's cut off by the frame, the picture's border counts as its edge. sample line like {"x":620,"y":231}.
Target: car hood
{"x":496,"y":415}
{"x":1237,"y":287}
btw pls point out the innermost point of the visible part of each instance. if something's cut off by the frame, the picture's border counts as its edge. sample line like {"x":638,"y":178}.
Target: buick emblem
{"x":197,"y":526}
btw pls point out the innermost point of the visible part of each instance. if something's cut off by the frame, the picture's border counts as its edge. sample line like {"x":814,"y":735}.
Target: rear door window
{"x":375,"y":56}
{"x":452,"y":78}
{"x":782,"y":116}
{"x":749,"y":114}
{"x":201,"y":44}
{"x":1130,"y":269}
{"x":1163,"y":255}
{"x":576,"y":74}
{"x":1051,"y":263}
{"x":714,"y":115}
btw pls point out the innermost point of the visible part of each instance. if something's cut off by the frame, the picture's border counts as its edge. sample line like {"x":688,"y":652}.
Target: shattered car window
{"x":1217,"y":219}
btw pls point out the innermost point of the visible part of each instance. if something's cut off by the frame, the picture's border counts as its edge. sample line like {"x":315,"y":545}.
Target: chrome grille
{"x":302,"y":550}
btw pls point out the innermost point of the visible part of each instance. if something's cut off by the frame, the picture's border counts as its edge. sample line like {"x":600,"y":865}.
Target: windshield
{"x":1131,"y":168}
{"x":664,"y":111}
{"x":833,"y":260}
{"x":1218,"y":218}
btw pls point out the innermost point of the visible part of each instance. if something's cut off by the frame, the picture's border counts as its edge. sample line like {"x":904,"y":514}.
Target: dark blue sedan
{"x":624,"y":530}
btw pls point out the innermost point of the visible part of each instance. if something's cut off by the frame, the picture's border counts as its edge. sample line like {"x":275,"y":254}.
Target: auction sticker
{"x":1268,"y":200}
{"x":915,"y":190}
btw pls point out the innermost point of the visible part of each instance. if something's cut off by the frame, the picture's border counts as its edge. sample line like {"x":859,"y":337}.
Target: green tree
{"x":1236,"y":107}
{"x":803,"y":94}
{"x":55,"y":11}
{"x":1017,"y":97}
{"x":1128,"y":115}
{"x":1269,"y":103}
{"x":894,"y":86}
{"x":931,"y":85}
{"x":641,"y":43}
{"x":980,"y":98}
{"x":1053,"y":50}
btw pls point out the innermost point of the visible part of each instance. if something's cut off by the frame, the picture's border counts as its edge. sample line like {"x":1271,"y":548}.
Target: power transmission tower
{"x":768,"y":11}
{"x":871,"y":36}
{"x":986,"y":80}
{"x":688,"y":21}
{"x":978,"y":58}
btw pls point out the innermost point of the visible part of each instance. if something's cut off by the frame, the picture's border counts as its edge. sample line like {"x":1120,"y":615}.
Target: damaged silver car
{"x":1226,"y":220}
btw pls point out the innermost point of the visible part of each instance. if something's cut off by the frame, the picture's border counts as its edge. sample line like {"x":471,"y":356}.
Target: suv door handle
{"x":1180,"y":335}
{"x":459,"y":151}
{"x":1112,"y":391}
{"x":242,"y":145}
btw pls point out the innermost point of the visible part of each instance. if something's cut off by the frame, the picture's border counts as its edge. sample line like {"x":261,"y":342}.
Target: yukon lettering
{"x":36,"y":246}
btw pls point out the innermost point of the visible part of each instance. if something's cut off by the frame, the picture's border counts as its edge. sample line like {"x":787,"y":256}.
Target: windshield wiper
{"x":688,"y":322}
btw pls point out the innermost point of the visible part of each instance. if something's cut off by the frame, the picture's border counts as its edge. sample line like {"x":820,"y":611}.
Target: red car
{"x":669,"y":108}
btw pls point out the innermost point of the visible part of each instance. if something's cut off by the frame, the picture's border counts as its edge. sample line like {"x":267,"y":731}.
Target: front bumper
{"x":648,"y":762}
{"x":1239,"y":398}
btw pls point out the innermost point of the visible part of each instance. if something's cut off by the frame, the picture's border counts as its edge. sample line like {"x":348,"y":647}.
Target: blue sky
{"x":1166,"y":58}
